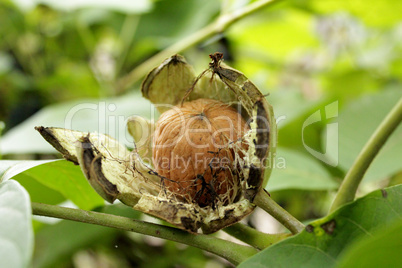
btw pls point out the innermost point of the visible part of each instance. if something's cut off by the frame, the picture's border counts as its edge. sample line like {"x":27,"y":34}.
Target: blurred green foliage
{"x":305,"y":54}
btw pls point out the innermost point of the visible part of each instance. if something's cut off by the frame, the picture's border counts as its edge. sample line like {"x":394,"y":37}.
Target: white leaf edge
{"x":16,"y":230}
{"x":16,"y":167}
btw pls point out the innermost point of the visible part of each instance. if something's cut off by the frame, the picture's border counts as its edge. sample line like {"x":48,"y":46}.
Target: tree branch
{"x":218,"y":26}
{"x":233,"y":252}
{"x":264,"y":201}
{"x":350,"y":183}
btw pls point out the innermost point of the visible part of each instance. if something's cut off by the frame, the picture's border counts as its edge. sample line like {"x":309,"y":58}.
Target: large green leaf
{"x":16,"y":235}
{"x":356,"y":123}
{"x":383,"y":249}
{"x":67,"y":179}
{"x":104,"y":116}
{"x":11,"y":168}
{"x":37,"y":191}
{"x":294,"y":170}
{"x":323,"y":240}
{"x":51,"y":181}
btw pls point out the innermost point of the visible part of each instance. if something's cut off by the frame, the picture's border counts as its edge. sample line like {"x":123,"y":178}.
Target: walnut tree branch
{"x":233,"y":252}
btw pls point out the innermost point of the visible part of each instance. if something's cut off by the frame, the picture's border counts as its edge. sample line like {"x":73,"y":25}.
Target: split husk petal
{"x":165,"y":85}
{"x":105,"y":163}
{"x":141,"y":130}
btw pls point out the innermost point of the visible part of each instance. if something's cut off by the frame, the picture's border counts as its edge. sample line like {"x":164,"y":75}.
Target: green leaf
{"x":356,"y":123}
{"x":16,"y":234}
{"x":323,"y":240}
{"x":38,"y":192}
{"x":50,"y":180}
{"x":383,"y":249}
{"x":89,"y":115}
{"x":11,"y":168}
{"x":294,"y":170}
{"x":68,"y":180}
{"x":167,"y":84}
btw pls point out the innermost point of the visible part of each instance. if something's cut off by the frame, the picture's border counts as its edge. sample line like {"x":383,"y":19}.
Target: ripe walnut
{"x":195,"y":148}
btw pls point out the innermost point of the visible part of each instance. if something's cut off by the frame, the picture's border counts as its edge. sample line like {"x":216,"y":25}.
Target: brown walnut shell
{"x":195,"y":148}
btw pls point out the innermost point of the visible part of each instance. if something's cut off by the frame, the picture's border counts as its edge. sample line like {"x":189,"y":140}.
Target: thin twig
{"x":218,"y":26}
{"x":264,"y":201}
{"x":233,"y":252}
{"x":348,"y":188}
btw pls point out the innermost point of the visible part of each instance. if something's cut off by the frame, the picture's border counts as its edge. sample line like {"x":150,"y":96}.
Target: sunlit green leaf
{"x":16,"y":235}
{"x":323,"y":240}
{"x":68,"y":180}
{"x":275,"y":36}
{"x":11,"y":168}
{"x":38,"y":192}
{"x":375,"y":13}
{"x":50,"y":180}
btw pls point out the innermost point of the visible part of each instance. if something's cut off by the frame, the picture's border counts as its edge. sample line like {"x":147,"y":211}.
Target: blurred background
{"x":308,"y":55}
